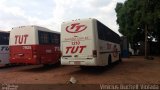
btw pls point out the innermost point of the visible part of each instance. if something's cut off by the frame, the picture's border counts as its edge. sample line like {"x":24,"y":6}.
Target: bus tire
{"x":109,"y":60}
{"x":46,"y":65}
{"x":57,"y":64}
{"x":7,"y":65}
{"x":83,"y":67}
{"x":120,"y":59}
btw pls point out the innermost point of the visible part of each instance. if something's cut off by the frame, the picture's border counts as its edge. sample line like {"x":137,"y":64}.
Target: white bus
{"x":34,"y":45}
{"x":88,"y":42}
{"x":4,"y":48}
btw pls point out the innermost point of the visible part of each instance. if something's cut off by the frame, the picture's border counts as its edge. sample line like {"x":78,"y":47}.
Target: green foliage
{"x":133,"y":15}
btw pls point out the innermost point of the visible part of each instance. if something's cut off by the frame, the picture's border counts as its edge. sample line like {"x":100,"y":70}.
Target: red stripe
{"x":26,"y":54}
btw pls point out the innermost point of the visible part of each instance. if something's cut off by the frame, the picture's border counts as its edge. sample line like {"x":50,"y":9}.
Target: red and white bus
{"x":34,"y":45}
{"x":4,"y":48}
{"x":88,"y":42}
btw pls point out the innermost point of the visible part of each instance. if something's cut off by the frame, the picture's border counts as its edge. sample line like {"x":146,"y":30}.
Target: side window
{"x":104,"y":33}
{"x":4,"y":38}
{"x":48,"y":38}
{"x":100,"y":31}
{"x":43,"y":37}
{"x":55,"y":38}
{"x":52,"y":38}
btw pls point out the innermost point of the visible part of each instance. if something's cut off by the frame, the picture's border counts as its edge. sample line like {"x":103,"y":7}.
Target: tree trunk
{"x":146,"y":49}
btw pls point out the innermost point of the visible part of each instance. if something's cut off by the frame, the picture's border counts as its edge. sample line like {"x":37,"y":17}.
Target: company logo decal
{"x":75,"y":49}
{"x":75,"y":28}
{"x":4,"y":48}
{"x":21,"y":39}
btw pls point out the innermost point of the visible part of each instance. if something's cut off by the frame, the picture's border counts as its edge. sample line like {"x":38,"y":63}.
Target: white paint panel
{"x":4,"y":54}
{"x":26,"y":35}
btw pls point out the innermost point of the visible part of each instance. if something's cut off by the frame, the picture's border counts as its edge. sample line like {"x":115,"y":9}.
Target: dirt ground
{"x":130,"y":71}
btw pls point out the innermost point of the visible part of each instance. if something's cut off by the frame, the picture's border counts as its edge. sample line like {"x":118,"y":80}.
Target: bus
{"x":4,"y":48}
{"x":88,"y":42}
{"x":34,"y":45}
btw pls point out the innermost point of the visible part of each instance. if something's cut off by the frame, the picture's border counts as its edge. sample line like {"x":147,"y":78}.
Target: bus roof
{"x":85,"y":19}
{"x":36,"y":28}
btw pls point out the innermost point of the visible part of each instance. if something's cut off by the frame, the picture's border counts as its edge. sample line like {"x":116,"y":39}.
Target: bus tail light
{"x":34,"y":56}
{"x":94,"y":53}
{"x":34,"y":53}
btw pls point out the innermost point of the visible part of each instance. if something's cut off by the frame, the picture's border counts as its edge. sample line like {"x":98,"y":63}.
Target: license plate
{"x":77,"y":62}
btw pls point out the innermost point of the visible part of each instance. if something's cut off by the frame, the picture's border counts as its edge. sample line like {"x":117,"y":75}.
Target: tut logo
{"x":75,"y":28}
{"x":21,"y":39}
{"x":4,"y":48}
{"x":75,"y":49}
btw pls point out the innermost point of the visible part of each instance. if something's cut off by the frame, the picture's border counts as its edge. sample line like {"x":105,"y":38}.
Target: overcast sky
{"x":51,"y":13}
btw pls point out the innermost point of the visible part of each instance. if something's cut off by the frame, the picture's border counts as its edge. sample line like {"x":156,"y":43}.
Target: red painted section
{"x":34,"y":54}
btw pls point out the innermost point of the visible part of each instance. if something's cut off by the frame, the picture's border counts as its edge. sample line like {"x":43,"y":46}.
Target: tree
{"x":137,"y":16}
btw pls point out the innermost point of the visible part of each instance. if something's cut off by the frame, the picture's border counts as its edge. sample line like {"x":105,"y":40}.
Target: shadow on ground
{"x":40,"y":68}
{"x":95,"y":70}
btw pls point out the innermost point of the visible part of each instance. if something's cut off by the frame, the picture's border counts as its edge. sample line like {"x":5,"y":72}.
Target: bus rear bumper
{"x":24,"y":61}
{"x":91,"y":62}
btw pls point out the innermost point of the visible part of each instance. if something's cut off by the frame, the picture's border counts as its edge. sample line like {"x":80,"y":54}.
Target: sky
{"x":51,"y":13}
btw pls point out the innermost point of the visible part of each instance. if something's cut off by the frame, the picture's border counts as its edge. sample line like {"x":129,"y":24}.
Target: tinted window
{"x":55,"y":38}
{"x":43,"y":37}
{"x":48,"y":38}
{"x":104,"y":33}
{"x":4,"y":38}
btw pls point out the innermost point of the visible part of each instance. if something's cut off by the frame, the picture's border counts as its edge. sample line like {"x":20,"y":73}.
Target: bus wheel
{"x":46,"y":65}
{"x":120,"y":59}
{"x":109,"y":60}
{"x":7,"y":65}
{"x":83,"y":67}
{"x":57,"y":64}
